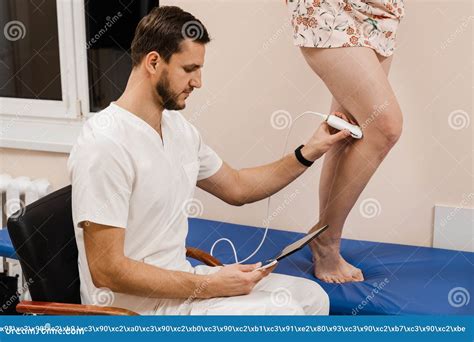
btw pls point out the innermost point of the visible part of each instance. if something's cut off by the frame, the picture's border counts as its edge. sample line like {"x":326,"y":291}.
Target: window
{"x":37,"y":60}
{"x":30,"y":66}
{"x":61,"y":61}
{"x":110,"y":27}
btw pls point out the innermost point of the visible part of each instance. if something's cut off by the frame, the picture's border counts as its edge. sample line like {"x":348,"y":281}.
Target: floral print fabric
{"x":345,"y":23}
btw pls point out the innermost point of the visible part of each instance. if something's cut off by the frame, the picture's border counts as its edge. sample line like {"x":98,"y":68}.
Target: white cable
{"x":324,"y":116}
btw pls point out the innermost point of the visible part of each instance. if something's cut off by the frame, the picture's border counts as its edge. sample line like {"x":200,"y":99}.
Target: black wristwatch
{"x":302,"y":159}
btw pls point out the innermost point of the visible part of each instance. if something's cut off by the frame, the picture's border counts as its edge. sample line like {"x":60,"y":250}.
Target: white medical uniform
{"x":124,"y":174}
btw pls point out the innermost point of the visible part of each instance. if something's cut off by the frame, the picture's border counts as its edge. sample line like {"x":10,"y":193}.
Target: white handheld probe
{"x":340,"y":124}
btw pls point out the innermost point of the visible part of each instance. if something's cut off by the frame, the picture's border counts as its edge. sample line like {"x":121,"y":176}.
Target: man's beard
{"x":167,"y":96}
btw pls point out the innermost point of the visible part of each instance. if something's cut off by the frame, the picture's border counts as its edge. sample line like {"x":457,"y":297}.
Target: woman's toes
{"x":358,"y":275}
{"x":339,"y":278}
{"x":348,"y":278}
{"x":328,"y":280}
{"x":343,"y":279}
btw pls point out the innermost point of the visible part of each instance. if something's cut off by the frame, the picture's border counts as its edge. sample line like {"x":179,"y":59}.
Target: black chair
{"x":43,"y":236}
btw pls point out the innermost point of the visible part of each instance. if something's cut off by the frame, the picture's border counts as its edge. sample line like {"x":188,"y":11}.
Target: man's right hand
{"x":235,"y":280}
{"x":324,"y":138}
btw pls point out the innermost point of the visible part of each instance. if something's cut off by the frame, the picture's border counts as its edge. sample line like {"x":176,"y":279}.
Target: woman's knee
{"x":384,"y":130}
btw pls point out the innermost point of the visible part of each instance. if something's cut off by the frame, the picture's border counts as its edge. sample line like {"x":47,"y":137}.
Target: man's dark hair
{"x":163,"y":30}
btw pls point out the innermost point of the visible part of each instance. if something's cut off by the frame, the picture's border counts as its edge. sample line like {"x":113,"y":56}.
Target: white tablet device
{"x":291,"y":248}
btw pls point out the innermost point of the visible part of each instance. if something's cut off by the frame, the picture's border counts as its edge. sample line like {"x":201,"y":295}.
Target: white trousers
{"x":275,"y":294}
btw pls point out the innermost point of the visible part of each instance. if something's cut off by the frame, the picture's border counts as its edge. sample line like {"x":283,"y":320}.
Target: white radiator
{"x":15,"y":195}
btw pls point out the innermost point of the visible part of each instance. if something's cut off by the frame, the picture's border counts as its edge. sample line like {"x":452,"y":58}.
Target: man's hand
{"x":235,"y":280}
{"x":324,"y":137}
{"x":238,"y":187}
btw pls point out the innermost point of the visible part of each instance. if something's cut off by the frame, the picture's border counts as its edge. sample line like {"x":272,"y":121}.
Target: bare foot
{"x":330,"y":266}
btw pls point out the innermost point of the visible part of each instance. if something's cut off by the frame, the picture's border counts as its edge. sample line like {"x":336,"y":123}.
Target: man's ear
{"x":152,"y":61}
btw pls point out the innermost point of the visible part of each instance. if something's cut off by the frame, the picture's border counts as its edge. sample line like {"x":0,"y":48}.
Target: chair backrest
{"x":43,"y":236}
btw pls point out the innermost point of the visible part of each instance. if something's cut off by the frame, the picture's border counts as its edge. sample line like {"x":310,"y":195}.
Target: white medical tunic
{"x":123,"y":174}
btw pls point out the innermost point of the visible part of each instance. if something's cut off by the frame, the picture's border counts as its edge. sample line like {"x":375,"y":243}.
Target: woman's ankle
{"x":328,"y":247}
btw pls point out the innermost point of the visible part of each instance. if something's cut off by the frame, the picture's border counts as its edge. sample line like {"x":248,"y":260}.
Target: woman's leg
{"x":357,"y":78}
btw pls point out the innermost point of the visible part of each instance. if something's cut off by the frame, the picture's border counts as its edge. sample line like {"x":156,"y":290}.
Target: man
{"x":136,"y":164}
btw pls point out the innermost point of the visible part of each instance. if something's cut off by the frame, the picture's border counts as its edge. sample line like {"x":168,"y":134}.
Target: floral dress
{"x":345,"y":23}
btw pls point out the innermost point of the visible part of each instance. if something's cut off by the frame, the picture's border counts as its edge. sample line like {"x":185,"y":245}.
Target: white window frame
{"x":48,"y":125}
{"x":81,"y":56}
